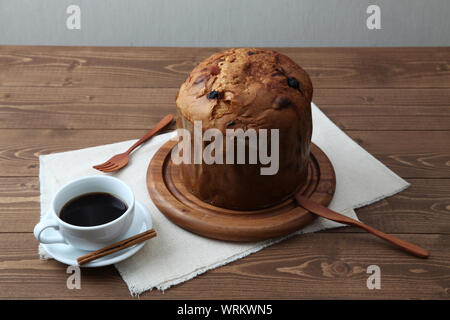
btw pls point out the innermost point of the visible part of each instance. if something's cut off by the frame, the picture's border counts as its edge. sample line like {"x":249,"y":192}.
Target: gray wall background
{"x":225,"y":23}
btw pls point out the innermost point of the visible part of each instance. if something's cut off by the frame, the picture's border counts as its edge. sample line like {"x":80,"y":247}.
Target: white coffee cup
{"x":87,"y":238}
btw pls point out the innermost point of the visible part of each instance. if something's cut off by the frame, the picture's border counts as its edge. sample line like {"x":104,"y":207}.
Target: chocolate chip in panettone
{"x":281,"y":102}
{"x":250,"y":53}
{"x":213,"y":95}
{"x":293,"y":83}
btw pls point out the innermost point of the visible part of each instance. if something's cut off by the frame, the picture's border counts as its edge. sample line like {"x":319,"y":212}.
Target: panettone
{"x":248,"y":89}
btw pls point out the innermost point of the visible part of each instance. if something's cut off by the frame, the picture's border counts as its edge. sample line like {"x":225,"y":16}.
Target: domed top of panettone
{"x":245,"y":88}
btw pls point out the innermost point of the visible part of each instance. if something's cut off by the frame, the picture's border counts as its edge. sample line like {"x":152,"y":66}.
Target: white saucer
{"x":67,"y":254}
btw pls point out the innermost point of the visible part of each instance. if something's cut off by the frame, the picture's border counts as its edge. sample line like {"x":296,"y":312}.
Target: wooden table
{"x":394,"y":102}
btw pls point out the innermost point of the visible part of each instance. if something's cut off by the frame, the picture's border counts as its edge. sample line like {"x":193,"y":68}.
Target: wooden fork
{"x":121,"y":160}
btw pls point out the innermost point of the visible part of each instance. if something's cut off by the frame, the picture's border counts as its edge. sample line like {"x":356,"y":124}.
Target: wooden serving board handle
{"x":332,"y":215}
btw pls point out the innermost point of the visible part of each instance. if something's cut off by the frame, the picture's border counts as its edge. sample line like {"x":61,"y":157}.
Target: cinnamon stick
{"x":131,"y":241}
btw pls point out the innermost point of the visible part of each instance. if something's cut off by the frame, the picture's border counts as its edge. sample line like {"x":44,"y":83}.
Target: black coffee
{"x":92,"y":209}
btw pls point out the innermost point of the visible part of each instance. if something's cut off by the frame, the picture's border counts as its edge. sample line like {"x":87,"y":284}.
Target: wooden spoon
{"x":326,"y":213}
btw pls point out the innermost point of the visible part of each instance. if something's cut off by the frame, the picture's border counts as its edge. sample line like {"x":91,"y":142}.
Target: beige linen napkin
{"x":177,"y":255}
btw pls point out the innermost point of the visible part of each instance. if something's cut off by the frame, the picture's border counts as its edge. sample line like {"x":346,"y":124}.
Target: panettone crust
{"x":248,"y":88}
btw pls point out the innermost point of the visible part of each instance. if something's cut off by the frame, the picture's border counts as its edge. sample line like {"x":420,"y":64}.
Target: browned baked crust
{"x":252,"y":88}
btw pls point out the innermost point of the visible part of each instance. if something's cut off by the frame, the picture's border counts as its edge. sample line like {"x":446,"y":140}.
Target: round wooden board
{"x":187,"y":211}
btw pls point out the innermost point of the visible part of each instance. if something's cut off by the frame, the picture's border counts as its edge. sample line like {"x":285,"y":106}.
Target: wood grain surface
{"x":394,"y":102}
